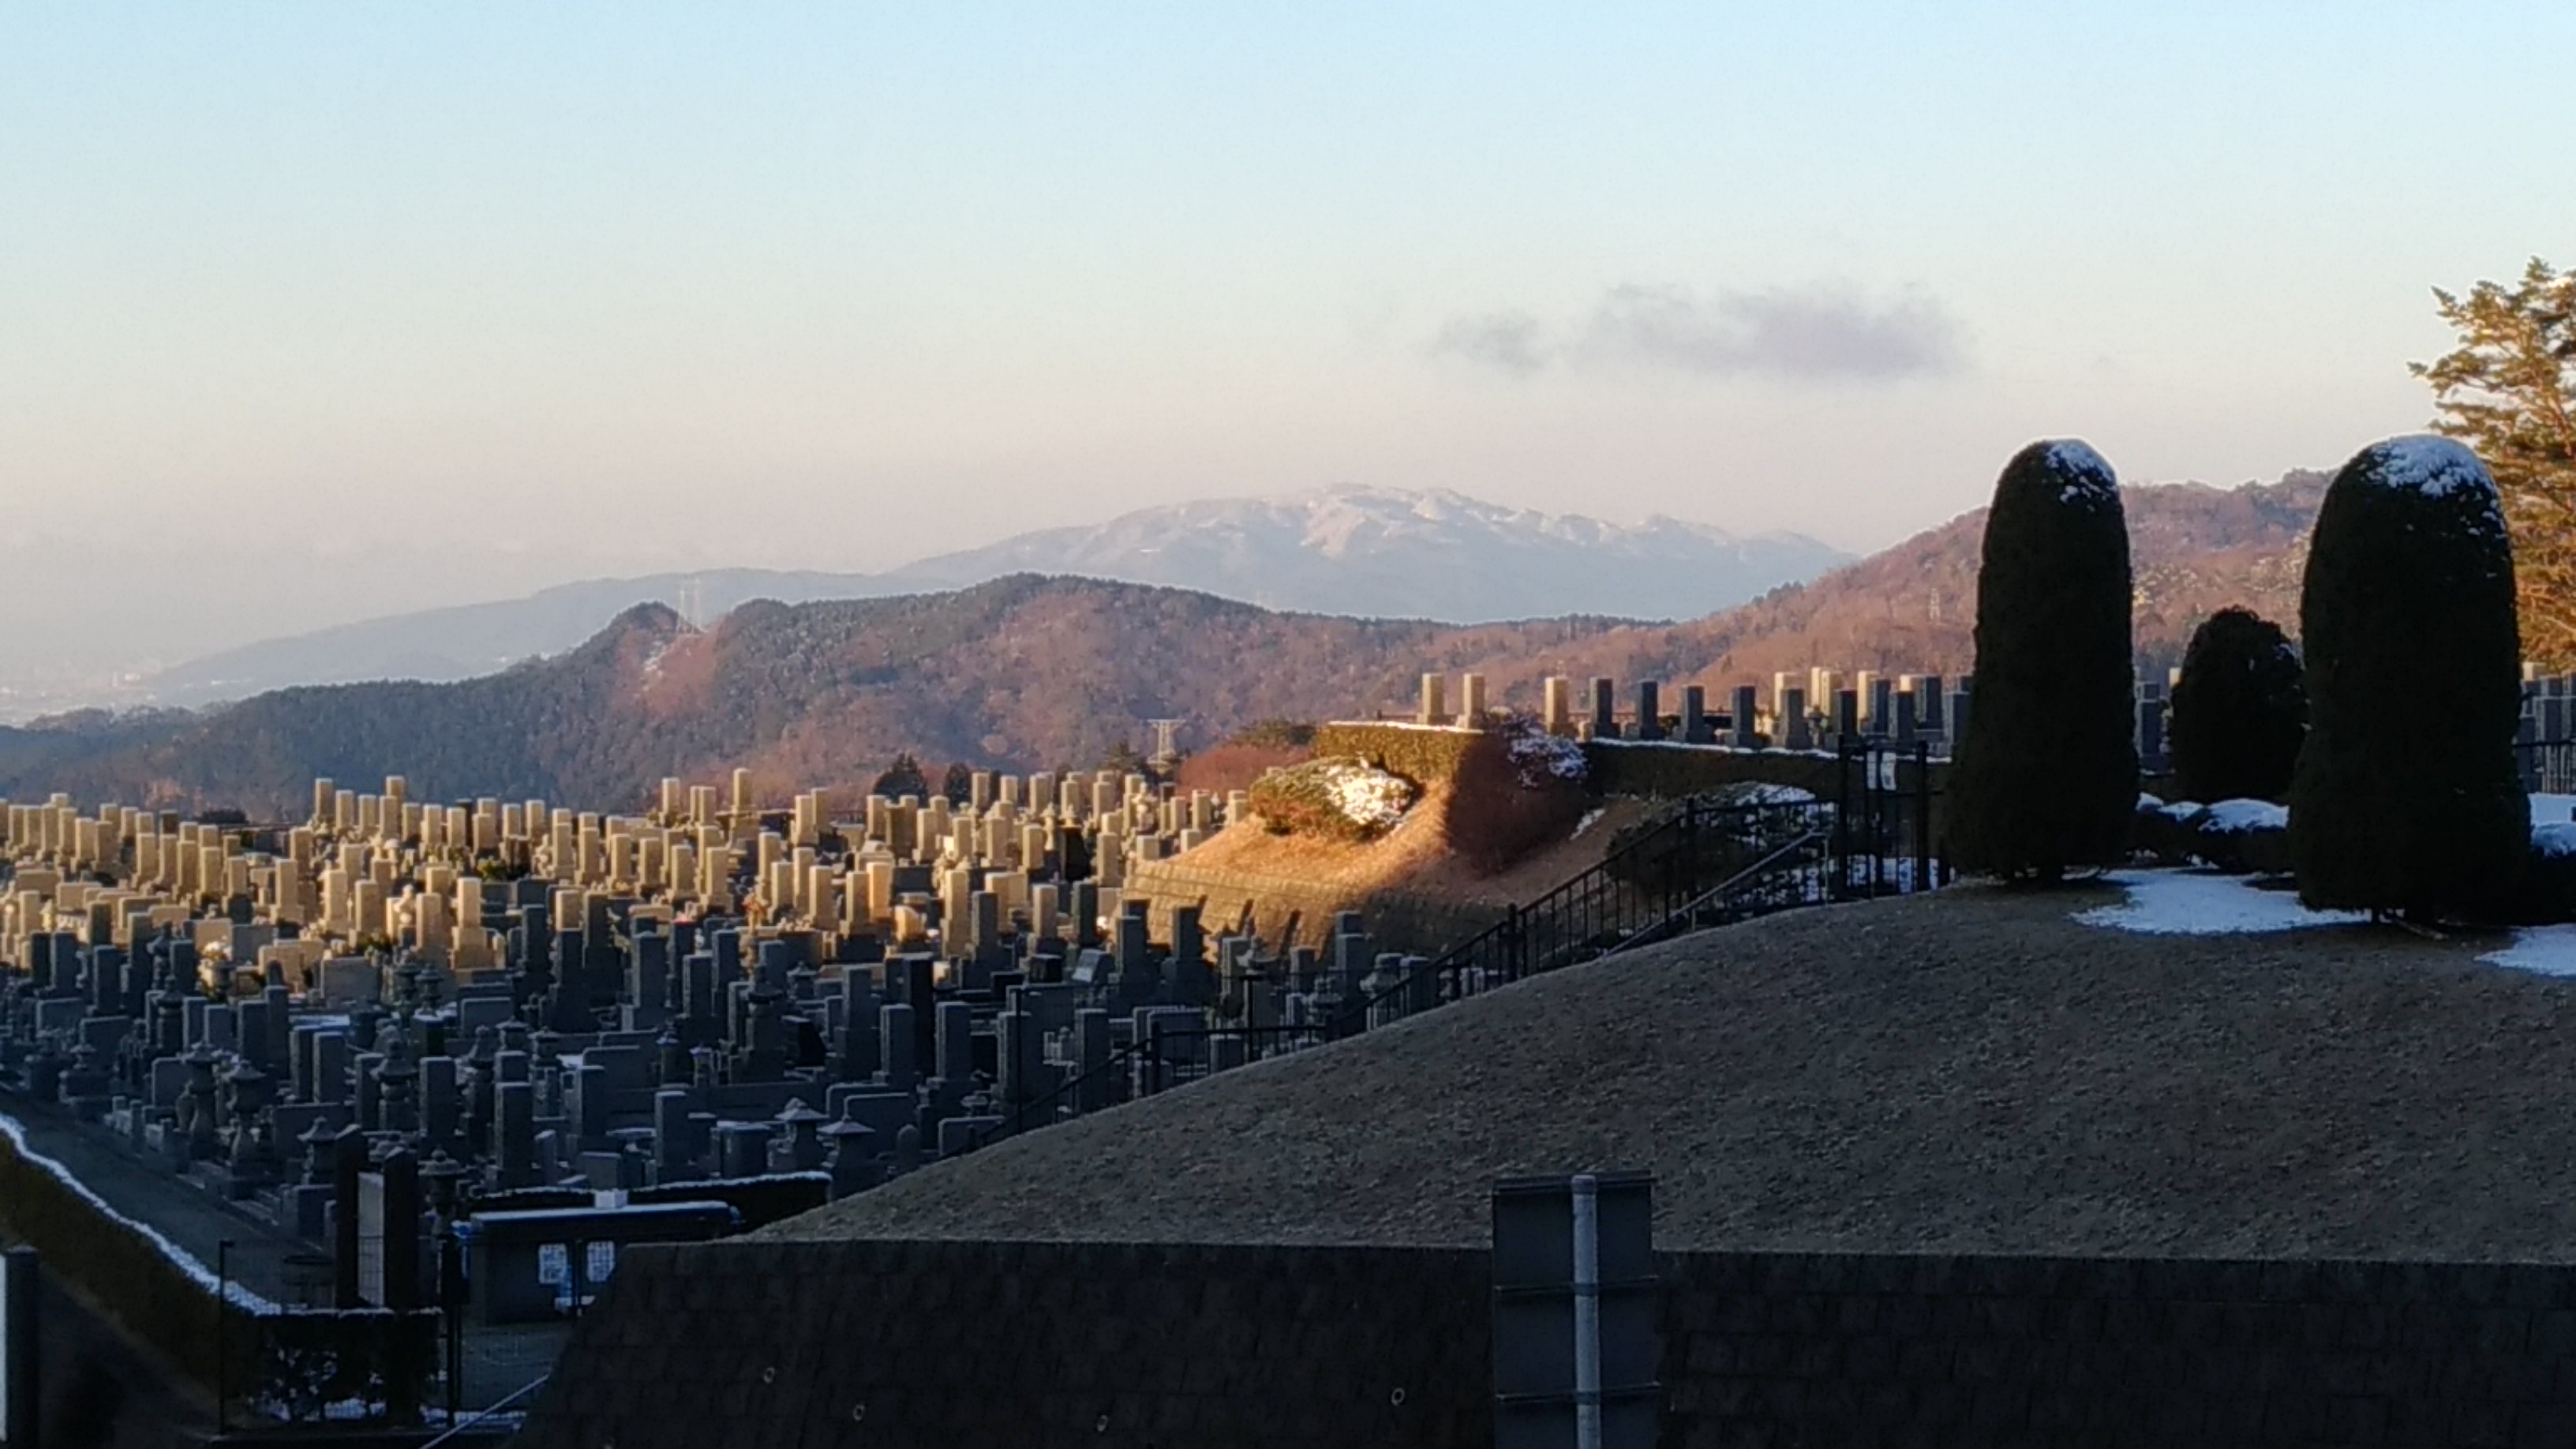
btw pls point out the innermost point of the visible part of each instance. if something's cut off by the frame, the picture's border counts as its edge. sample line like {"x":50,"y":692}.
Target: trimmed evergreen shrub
{"x":2239,"y":711}
{"x":1336,"y":797}
{"x":902,"y":778}
{"x":2406,"y":796}
{"x":2047,"y":774}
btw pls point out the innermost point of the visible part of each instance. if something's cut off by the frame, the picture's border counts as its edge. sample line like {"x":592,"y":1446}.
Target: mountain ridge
{"x":1358,"y":550}
{"x":1035,"y":672}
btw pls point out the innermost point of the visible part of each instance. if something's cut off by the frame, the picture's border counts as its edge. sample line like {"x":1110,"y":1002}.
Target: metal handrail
{"x":479,"y":1415}
{"x":1655,"y":932}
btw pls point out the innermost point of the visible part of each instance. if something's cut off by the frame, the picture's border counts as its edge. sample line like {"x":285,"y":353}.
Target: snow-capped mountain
{"x":1399,"y":553}
{"x":1371,"y":552}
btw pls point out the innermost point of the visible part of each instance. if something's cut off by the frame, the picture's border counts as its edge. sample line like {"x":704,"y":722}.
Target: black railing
{"x":2548,"y":766}
{"x":1715,"y":859}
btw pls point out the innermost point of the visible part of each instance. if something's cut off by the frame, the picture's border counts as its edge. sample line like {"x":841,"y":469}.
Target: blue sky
{"x":491,"y":296}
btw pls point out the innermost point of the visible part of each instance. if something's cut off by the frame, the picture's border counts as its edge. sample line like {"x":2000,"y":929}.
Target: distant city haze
{"x":312,"y":313}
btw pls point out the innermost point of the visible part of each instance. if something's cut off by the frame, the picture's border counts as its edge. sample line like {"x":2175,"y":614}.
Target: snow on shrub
{"x":1367,"y":796}
{"x":1540,"y":758}
{"x":1337,"y":797}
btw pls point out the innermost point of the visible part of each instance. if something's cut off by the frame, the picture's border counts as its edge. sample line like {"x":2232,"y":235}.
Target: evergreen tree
{"x":2406,"y":797}
{"x":902,"y":778}
{"x":2509,"y":391}
{"x":959,"y":786}
{"x":2047,"y":774}
{"x":2239,"y":712}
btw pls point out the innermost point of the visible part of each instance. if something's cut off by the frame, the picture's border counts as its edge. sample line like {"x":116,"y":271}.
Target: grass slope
{"x":1967,"y":1072}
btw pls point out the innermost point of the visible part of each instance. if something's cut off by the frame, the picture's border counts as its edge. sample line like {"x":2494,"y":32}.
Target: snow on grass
{"x":2554,"y":840}
{"x":2201,"y":903}
{"x":2545,"y":950}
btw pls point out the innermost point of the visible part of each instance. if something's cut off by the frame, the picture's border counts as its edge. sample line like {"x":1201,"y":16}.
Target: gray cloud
{"x":1818,"y":333}
{"x":1510,"y":341}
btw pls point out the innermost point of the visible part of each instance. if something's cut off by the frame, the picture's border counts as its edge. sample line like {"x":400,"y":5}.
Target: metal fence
{"x":292,"y":1353}
{"x":1711,"y":860}
{"x":2548,"y":766}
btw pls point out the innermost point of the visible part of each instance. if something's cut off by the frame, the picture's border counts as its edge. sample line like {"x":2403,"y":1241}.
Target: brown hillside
{"x":1036,"y":673}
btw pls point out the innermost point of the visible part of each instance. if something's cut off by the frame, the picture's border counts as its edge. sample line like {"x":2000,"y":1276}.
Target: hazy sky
{"x":315,"y":311}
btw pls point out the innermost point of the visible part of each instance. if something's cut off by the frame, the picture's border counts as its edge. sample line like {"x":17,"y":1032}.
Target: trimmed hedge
{"x":2047,"y":777}
{"x":1298,"y":800}
{"x":1424,"y":756}
{"x":2239,"y":710}
{"x":2406,"y":796}
{"x":153,"y":1297}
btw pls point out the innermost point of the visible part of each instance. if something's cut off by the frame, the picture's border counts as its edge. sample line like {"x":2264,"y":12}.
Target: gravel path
{"x":1967,"y":1072}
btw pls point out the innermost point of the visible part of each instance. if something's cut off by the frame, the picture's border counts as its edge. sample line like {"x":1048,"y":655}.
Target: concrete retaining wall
{"x":972,"y":1343}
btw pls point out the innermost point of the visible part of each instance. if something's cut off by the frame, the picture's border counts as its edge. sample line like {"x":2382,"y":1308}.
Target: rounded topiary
{"x":2406,"y":797}
{"x":2047,"y":773}
{"x":2239,"y":711}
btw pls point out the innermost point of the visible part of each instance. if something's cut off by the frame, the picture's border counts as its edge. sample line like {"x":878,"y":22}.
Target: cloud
{"x":1510,"y":341}
{"x":1816,"y":333}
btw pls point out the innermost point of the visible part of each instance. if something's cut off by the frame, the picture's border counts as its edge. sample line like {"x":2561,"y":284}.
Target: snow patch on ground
{"x":2544,"y":950}
{"x":2235,"y":816}
{"x":1590,"y":818}
{"x":2200,"y":903}
{"x":2554,"y":841}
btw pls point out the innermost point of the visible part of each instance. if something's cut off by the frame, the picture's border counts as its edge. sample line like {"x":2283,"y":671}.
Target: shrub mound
{"x":1337,"y":797}
{"x":2047,"y":775}
{"x":2406,"y":796}
{"x":2239,"y":710}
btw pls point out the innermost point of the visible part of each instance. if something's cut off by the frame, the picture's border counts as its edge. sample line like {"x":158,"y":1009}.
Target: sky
{"x":311,"y":312}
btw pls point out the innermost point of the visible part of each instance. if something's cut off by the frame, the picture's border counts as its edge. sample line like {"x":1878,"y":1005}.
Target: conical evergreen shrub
{"x":2047,"y":775}
{"x":2406,"y":797}
{"x":2239,"y":711}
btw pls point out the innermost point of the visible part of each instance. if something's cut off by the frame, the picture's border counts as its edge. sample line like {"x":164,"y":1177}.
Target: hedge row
{"x":126,"y":1272}
{"x":1424,"y":756}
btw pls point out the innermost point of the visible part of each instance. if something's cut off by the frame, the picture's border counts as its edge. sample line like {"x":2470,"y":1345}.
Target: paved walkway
{"x":195,"y":1220}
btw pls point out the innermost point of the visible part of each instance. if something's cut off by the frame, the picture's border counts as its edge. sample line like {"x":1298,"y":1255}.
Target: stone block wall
{"x":947,"y":1345}
{"x":962,"y":1344}
{"x":1288,"y":912}
{"x":1939,"y":1351}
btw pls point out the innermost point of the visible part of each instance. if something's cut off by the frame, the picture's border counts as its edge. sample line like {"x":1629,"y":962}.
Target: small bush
{"x":2239,"y":710}
{"x":1337,"y":798}
{"x":2406,"y":796}
{"x":1276,"y":734}
{"x":2047,"y":774}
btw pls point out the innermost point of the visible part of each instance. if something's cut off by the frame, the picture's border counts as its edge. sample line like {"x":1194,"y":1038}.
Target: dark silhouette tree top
{"x":2239,"y":710}
{"x":2047,"y":775}
{"x":902,"y":778}
{"x":2407,"y":797}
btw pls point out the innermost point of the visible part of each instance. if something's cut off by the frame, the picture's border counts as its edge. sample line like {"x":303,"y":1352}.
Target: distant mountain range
{"x":1030,"y":672}
{"x":1364,"y":552}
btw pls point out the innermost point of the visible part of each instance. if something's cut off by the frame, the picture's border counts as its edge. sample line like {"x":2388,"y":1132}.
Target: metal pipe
{"x":1587,"y":1312}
